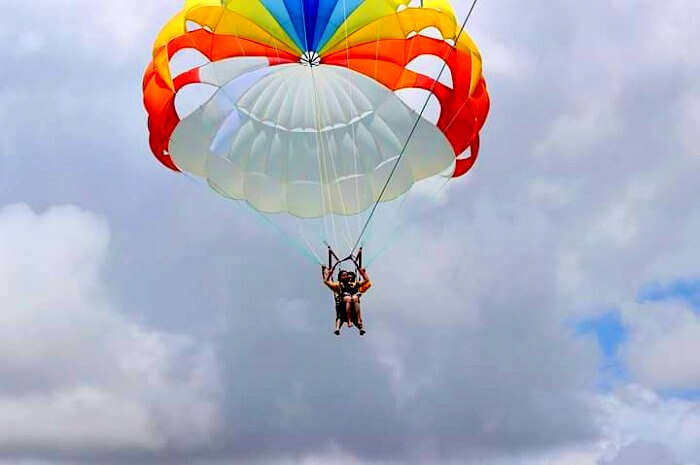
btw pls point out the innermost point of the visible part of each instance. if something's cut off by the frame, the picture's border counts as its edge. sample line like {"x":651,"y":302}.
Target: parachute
{"x":306,"y":120}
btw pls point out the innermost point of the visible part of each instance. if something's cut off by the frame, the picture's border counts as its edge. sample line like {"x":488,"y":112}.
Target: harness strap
{"x":334,"y":261}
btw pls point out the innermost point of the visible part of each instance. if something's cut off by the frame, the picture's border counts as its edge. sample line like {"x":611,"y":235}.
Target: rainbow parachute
{"x":307,"y":119}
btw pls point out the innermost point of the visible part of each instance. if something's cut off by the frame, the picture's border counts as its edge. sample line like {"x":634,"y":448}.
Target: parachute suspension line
{"x":345,"y":232}
{"x":413,"y":130}
{"x":396,"y":228}
{"x":328,"y":222}
{"x":325,"y":171}
{"x":303,"y":247}
{"x":396,"y":222}
{"x":340,"y":231}
{"x":368,"y":232}
{"x":356,"y":152}
{"x":326,"y":199}
{"x":327,"y":164}
{"x":371,"y":229}
{"x":306,"y":245}
{"x":305,"y":251}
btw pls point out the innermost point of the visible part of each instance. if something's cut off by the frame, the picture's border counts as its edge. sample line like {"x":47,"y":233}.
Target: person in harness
{"x":347,"y":291}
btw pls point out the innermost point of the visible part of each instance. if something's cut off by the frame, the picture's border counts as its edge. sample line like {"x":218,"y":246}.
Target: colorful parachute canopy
{"x":305,"y":118}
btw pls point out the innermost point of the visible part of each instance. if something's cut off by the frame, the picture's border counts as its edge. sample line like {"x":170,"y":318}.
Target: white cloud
{"x":77,"y":374}
{"x":635,"y":413}
{"x":580,"y":132}
{"x":77,"y":418}
{"x":672,"y":32}
{"x":639,"y":428}
{"x":663,"y":350}
{"x":114,"y":28}
{"x":502,"y":60}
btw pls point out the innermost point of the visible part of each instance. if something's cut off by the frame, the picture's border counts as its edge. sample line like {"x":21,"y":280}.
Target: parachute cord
{"x":329,"y":227}
{"x":345,"y":232}
{"x":399,"y":224}
{"x":322,"y":169}
{"x":305,"y":46}
{"x":413,"y":130}
{"x":356,"y":154}
{"x":306,"y":251}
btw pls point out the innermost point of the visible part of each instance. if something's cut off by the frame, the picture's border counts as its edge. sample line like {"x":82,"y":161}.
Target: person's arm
{"x":327,"y":274}
{"x":366,"y":282}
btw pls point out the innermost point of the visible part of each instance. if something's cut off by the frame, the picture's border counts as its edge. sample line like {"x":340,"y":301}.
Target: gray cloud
{"x":77,"y":375}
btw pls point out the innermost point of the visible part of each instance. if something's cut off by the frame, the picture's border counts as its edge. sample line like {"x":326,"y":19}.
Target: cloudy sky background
{"x":547,"y":314}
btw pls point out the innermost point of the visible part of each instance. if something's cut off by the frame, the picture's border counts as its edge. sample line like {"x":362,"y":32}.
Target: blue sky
{"x":684,"y":289}
{"x":610,"y":332}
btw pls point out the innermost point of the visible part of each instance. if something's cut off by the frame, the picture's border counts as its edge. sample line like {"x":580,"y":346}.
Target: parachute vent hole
{"x":310,"y":59}
{"x":432,"y":32}
{"x":415,"y":99}
{"x":466,"y":155}
{"x":411,"y":4}
{"x":192,"y":26}
{"x":185,"y":60}
{"x":191,"y":97}
{"x":430,"y":65}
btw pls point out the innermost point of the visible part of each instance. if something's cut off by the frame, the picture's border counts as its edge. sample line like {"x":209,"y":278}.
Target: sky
{"x":546,"y":312}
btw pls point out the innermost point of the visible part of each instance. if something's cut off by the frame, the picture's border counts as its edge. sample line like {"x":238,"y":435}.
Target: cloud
{"x":664,"y":347}
{"x":77,"y":375}
{"x":580,"y":133}
{"x":634,"y":413}
{"x":642,"y":453}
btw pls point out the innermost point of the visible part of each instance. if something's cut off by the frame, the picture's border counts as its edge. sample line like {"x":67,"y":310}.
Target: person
{"x":347,"y":291}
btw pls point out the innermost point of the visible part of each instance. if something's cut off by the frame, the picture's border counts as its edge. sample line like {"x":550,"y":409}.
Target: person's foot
{"x":362,"y":332}
{"x":336,"y":332}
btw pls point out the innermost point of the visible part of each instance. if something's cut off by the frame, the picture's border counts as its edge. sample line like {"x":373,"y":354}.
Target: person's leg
{"x":339,"y":308}
{"x":348,"y":310}
{"x":358,"y":313}
{"x":338,"y":323}
{"x":358,"y":310}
